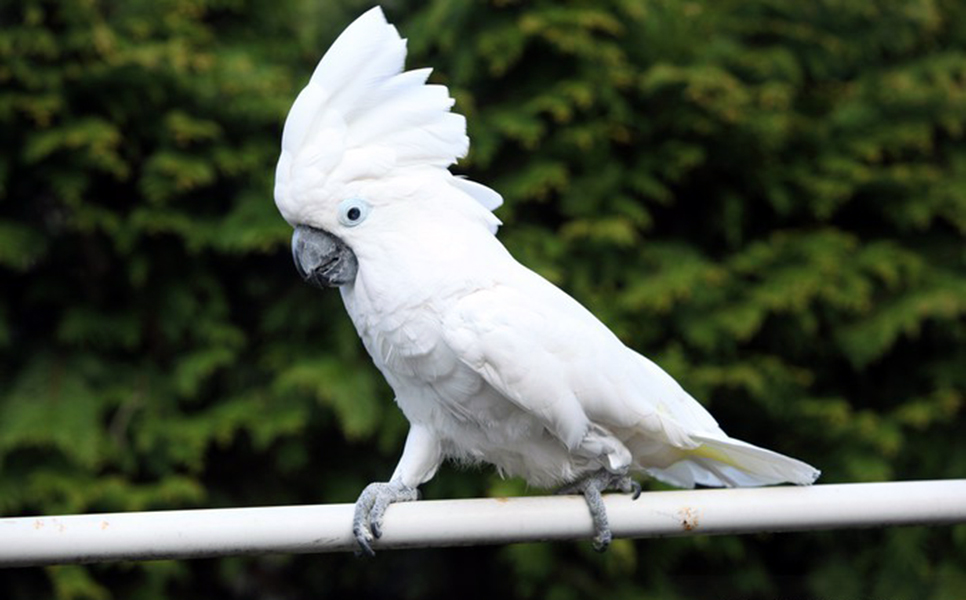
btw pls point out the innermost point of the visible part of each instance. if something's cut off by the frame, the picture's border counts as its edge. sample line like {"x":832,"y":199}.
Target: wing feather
{"x":546,"y":353}
{"x":551,"y":357}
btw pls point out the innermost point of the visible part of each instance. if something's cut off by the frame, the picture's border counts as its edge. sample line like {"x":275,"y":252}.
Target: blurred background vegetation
{"x":766,"y":197}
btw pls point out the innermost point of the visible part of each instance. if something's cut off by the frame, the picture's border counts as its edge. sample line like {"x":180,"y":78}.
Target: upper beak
{"x":323,"y":259}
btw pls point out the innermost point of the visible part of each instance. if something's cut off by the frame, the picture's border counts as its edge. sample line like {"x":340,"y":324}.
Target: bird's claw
{"x":590,"y":488}
{"x":371,"y":508}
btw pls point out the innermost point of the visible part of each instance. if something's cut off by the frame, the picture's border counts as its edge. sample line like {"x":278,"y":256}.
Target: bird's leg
{"x":371,"y":507}
{"x":590,"y":488}
{"x":420,"y":458}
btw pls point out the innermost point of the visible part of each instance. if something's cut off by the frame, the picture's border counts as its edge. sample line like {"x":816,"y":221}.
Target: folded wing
{"x":551,"y":357}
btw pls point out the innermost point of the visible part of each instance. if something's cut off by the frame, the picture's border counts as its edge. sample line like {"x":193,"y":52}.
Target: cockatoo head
{"x":365,"y":149}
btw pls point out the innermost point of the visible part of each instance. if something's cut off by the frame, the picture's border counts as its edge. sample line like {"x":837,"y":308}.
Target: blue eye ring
{"x":353,"y":211}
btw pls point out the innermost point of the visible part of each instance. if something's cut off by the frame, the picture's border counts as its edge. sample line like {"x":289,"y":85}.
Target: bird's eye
{"x":353,"y":211}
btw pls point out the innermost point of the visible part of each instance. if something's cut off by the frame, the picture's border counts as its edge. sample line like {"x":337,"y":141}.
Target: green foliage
{"x":768,"y":198}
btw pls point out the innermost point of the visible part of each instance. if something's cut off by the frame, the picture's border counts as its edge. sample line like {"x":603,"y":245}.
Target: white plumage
{"x":488,"y":360}
{"x":361,"y":116}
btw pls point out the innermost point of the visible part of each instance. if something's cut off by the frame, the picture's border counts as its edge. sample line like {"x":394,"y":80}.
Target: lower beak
{"x":322,"y":259}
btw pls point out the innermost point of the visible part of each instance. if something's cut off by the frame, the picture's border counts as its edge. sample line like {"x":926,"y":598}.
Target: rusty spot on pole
{"x":690,"y":518}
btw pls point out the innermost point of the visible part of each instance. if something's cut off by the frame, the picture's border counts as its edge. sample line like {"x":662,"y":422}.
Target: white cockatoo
{"x":488,"y":360}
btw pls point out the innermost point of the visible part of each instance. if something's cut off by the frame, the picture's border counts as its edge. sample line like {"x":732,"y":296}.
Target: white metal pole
{"x":32,"y":541}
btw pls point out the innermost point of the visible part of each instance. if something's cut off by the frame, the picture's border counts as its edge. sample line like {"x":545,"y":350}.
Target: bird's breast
{"x":435,"y":388}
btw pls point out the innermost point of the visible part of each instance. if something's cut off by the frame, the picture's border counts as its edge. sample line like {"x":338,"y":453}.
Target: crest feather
{"x":361,"y":116}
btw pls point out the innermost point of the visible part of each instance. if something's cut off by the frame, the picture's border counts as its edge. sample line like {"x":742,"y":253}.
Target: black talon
{"x":636,"y":489}
{"x":365,"y":550}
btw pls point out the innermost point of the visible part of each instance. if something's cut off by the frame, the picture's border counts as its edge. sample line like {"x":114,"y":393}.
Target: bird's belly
{"x":538,"y":457}
{"x":475,"y":423}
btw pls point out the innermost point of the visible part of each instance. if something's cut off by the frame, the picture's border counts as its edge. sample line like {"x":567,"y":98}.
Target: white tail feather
{"x":727,"y":462}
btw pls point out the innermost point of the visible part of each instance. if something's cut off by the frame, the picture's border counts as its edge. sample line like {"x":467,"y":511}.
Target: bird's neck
{"x":423,"y":269}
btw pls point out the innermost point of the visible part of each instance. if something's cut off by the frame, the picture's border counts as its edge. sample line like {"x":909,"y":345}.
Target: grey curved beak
{"x":322,"y":259}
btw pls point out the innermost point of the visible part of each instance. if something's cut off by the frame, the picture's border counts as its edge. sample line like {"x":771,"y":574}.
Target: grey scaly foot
{"x":371,"y":507}
{"x":590,"y":488}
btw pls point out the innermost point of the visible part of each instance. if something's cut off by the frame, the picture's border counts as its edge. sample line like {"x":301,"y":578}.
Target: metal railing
{"x":182,"y":534}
